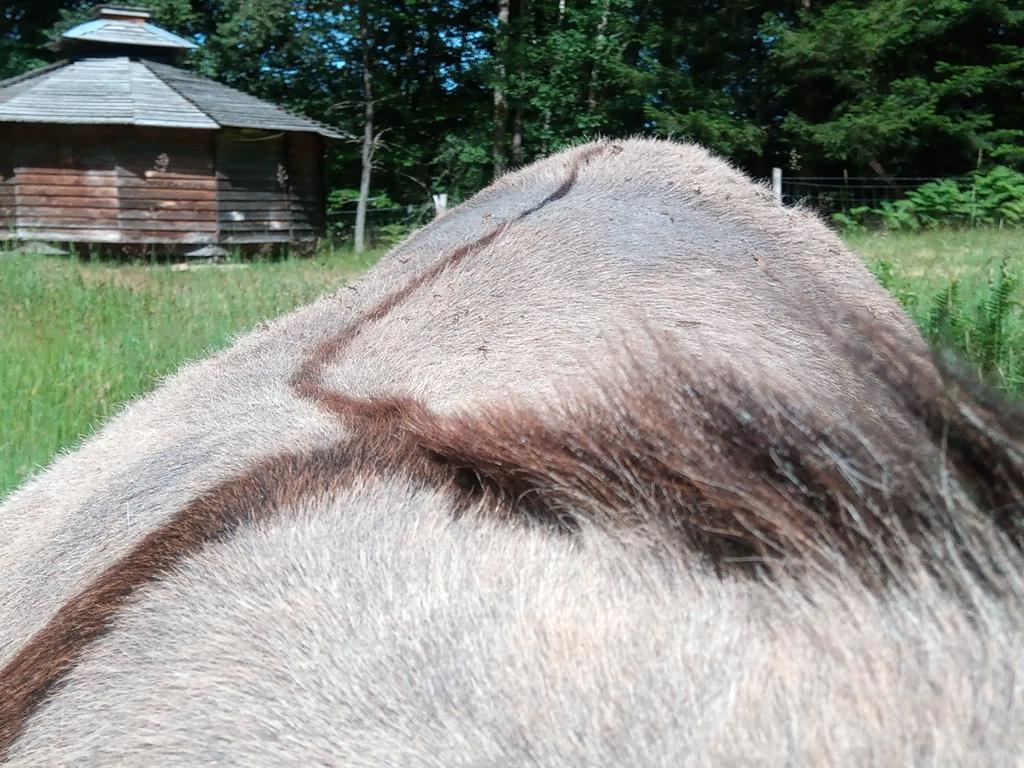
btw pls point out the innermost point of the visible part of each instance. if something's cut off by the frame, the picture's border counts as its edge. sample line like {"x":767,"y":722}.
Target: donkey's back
{"x":617,"y":463}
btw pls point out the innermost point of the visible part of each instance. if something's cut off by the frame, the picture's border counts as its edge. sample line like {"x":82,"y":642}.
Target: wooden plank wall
{"x":306,"y":166}
{"x":6,"y":186}
{"x":270,"y":186}
{"x":113,"y":184}
{"x":167,"y":187}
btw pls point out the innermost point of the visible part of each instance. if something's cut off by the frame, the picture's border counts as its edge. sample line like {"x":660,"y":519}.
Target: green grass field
{"x":965,"y":289}
{"x":79,"y":339}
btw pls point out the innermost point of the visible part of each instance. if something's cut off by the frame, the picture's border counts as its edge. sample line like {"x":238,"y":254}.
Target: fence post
{"x":777,"y":185}
{"x":440,"y":203}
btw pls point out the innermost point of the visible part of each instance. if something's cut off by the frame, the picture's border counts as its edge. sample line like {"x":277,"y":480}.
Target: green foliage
{"x":981,"y":332}
{"x":391,"y":234}
{"x":977,"y":312}
{"x":992,"y":198}
{"x":341,"y":199}
{"x":991,"y":348}
{"x":997,"y":197}
{"x":904,"y":84}
{"x":462,"y":164}
{"x":937,"y":203}
{"x":897,"y":214}
{"x":619,"y":67}
{"x":77,"y":340}
{"x":345,"y":200}
{"x":847,"y":222}
{"x":897,"y":87}
{"x":946,"y":320}
{"x":885,"y":273}
{"x":23,"y":25}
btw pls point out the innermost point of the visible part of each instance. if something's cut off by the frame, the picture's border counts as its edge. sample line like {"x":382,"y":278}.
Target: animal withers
{"x":618,"y":463}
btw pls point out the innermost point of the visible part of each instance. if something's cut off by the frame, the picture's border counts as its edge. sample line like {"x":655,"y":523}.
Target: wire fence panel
{"x":839,"y":194}
{"x":824,"y":194}
{"x":384,"y":226}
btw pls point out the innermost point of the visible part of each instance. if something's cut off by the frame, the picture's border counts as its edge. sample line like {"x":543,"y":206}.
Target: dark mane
{"x":704,"y":460}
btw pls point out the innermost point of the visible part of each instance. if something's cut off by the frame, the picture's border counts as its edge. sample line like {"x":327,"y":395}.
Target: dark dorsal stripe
{"x":254,"y":495}
{"x":269,"y":488}
{"x":308,"y":380}
{"x":774,"y":485}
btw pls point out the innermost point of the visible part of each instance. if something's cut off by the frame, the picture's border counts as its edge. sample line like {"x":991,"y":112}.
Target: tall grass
{"x":965,"y":289}
{"x":79,"y":339}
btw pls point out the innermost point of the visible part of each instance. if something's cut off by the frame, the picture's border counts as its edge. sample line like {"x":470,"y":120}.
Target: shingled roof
{"x":112,"y":80}
{"x":231,"y":108}
{"x":123,"y":91}
{"x":124,"y":26}
{"x":113,"y":91}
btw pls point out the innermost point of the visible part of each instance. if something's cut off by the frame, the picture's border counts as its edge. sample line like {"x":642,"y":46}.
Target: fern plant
{"x":946,"y":321}
{"x":994,"y":315}
{"x":854,"y":221}
{"x":981,"y":333}
{"x":992,"y":198}
{"x":939,"y":203}
{"x":897,"y":214}
{"x":885,"y":274}
{"x":998,"y":198}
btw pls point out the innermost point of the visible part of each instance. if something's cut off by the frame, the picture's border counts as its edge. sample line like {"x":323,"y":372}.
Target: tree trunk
{"x":521,"y":33}
{"x":368,"y":138}
{"x":599,"y":47}
{"x":517,"y":137}
{"x":546,"y":129}
{"x":500,"y":99}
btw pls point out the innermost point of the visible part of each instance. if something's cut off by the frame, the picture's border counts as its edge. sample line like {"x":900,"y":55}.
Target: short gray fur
{"x":372,"y":626}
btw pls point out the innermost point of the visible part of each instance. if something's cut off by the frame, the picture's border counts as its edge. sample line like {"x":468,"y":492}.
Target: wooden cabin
{"x":116,"y":145}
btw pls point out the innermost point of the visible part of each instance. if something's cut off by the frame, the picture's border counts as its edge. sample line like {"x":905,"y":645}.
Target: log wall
{"x":6,"y":192}
{"x":133,"y":185}
{"x":270,"y":186}
{"x":306,"y":164}
{"x":167,"y":186}
{"x":111,"y":184}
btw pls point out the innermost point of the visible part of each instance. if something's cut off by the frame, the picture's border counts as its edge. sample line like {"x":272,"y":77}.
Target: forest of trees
{"x":445,"y":95}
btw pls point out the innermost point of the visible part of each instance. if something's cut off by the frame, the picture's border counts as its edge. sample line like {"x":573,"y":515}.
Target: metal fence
{"x":384,"y":226}
{"x":824,"y":194}
{"x":839,"y":194}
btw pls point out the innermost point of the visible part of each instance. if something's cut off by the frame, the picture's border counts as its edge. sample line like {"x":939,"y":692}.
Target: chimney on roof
{"x":122,"y":13}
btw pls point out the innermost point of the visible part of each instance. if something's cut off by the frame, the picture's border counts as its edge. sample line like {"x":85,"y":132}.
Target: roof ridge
{"x":331,"y":131}
{"x":146,"y":63}
{"x":168,"y":35}
{"x":32,"y":73}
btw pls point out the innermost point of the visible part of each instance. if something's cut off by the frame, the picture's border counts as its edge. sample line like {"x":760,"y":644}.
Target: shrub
{"x":991,"y":198}
{"x":999,"y":197}
{"x":885,"y":274}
